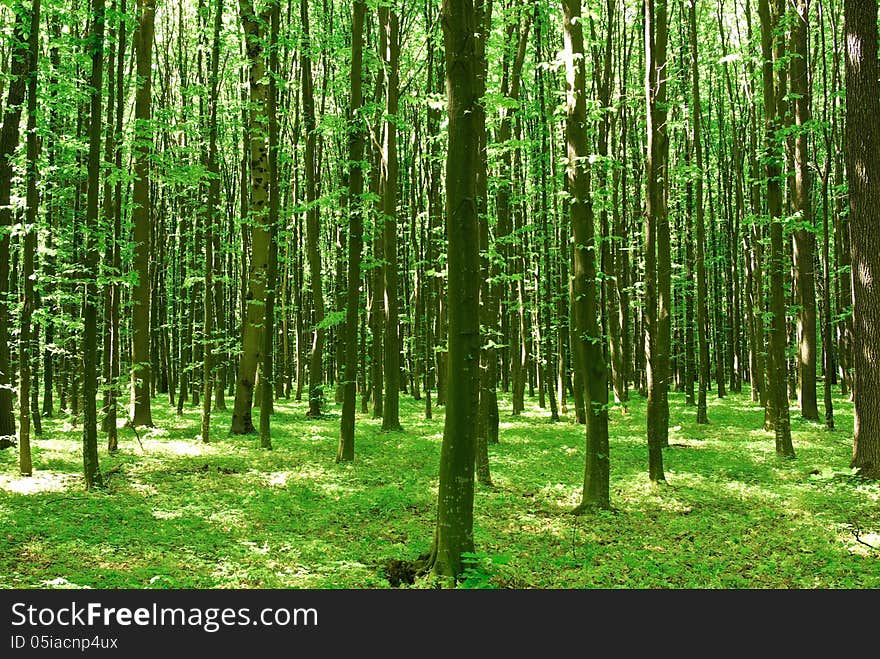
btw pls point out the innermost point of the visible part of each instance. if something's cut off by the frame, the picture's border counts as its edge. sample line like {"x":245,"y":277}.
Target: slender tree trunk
{"x":700,"y":238}
{"x":488,"y":405}
{"x":313,"y":222}
{"x":90,"y":302}
{"x":356,"y":140}
{"x":390,"y":46}
{"x":267,"y":370}
{"x":26,"y":340}
{"x":212,"y":220}
{"x":546,"y":303}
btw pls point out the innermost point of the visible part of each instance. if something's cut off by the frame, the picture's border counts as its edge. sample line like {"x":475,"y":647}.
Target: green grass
{"x":182,"y":514}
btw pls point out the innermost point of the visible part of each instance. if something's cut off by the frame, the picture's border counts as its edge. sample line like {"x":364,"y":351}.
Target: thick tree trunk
{"x":777,"y":368}
{"x":588,"y":341}
{"x":863,"y":175}
{"x":804,"y":235}
{"x":454,"y":534}
{"x":8,"y":143}
{"x":657,"y":272}
{"x":141,"y":371}
{"x":257,"y":217}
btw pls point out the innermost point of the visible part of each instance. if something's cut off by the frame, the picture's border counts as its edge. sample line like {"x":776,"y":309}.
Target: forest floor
{"x":178,"y":513}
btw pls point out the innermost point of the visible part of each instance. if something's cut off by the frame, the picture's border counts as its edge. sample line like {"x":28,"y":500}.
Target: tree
{"x":804,"y":236}
{"x":91,"y":469}
{"x":454,"y":532}
{"x":313,"y":220}
{"x":700,"y":257}
{"x":267,"y":388}
{"x":777,"y":371}
{"x":588,"y":342}
{"x":863,"y":177}
{"x":258,"y":152}
{"x":141,"y":374}
{"x":8,"y":143}
{"x":657,"y":256}
{"x":212,"y":219}
{"x":25,"y":337}
{"x":390,"y":47}
{"x":356,"y":141}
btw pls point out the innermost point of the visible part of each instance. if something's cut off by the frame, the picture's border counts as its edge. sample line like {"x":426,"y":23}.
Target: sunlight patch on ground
{"x":178,"y":447}
{"x":228,"y":519}
{"x":860,"y":542}
{"x":63,"y":584}
{"x":41,"y":481}
{"x":167,"y":514}
{"x":145,"y":489}
{"x":273,"y":479}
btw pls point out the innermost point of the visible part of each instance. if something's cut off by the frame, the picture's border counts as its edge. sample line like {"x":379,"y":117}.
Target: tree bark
{"x":777,"y":371}
{"x":804,"y":235}
{"x":588,"y":340}
{"x":212,"y":220}
{"x":26,"y":340}
{"x":356,"y":140}
{"x":91,"y":469}
{"x":257,"y":217}
{"x":454,"y":534}
{"x":390,"y":46}
{"x":141,"y":370}
{"x":657,"y":273}
{"x":700,"y":238}
{"x":8,"y":143}
{"x":313,"y":222}
{"x":863,"y":176}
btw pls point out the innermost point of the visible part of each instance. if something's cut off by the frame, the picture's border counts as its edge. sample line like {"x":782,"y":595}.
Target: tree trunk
{"x":313,"y":222}
{"x":8,"y":143}
{"x":777,"y":368}
{"x":26,"y":340}
{"x":488,"y":399}
{"x":863,"y":176}
{"x":212,"y":220}
{"x":90,"y":303}
{"x":141,"y":371}
{"x":356,"y":140}
{"x":700,"y":238}
{"x":657,"y":272}
{"x":390,"y":47}
{"x":588,"y":341}
{"x":257,"y":217}
{"x":804,"y":235}
{"x":454,"y":534}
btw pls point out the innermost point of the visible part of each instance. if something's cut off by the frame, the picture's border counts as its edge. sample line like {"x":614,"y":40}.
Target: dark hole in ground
{"x":400,"y":572}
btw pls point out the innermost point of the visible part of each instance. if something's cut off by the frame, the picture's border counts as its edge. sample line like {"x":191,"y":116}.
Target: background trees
{"x":266,"y":214}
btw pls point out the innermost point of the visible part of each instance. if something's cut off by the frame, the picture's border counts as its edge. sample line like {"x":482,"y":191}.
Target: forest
{"x":406,"y":293}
